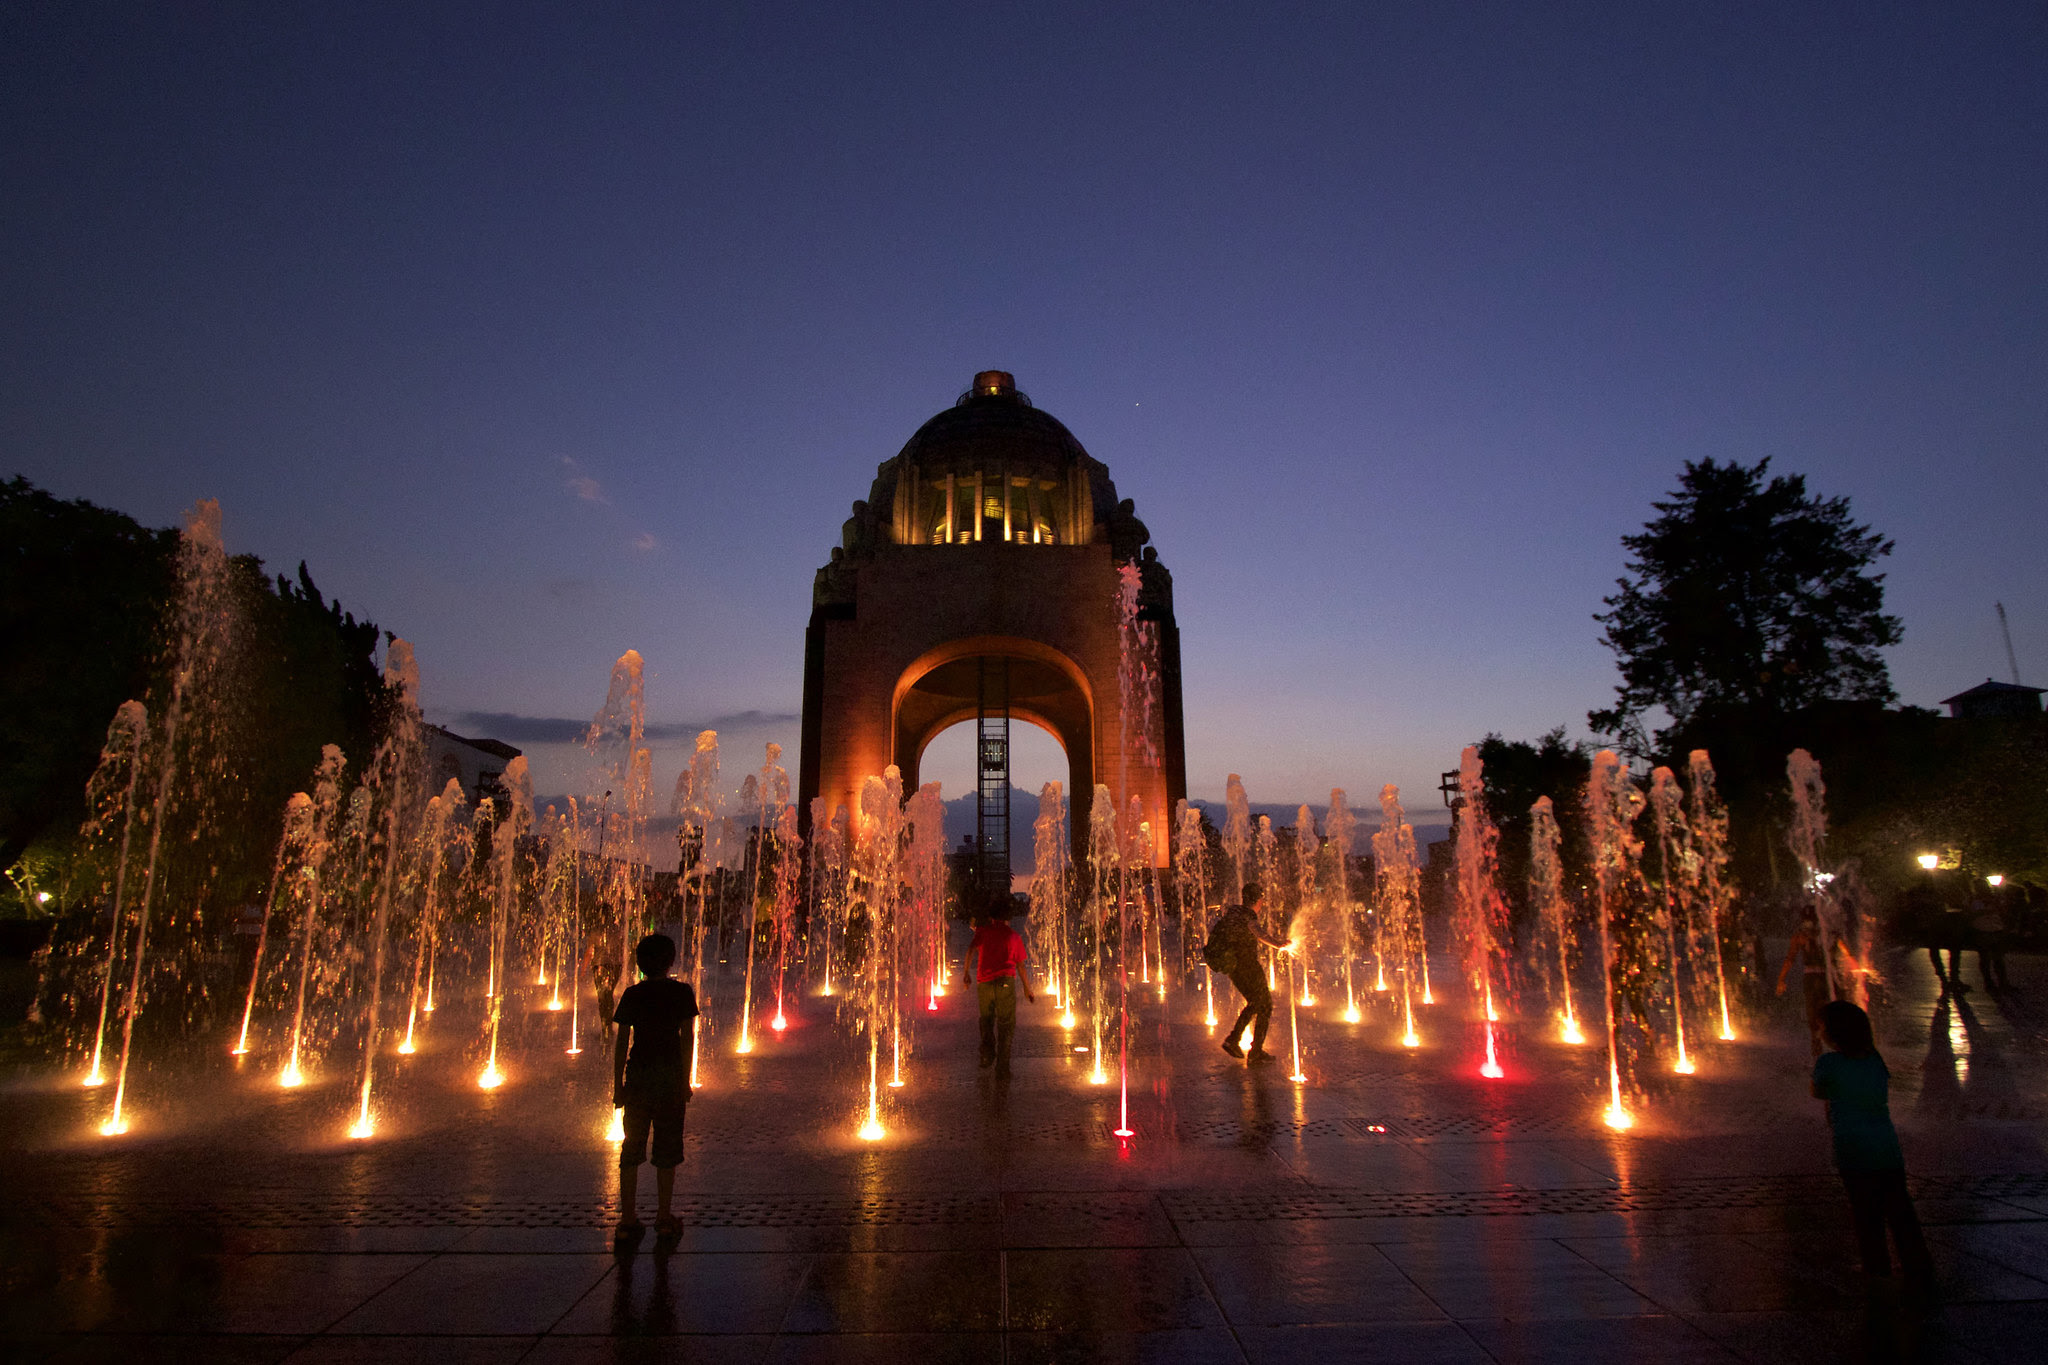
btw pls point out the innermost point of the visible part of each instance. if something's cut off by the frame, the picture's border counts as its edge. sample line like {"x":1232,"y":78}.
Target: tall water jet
{"x":110,"y":797}
{"x":291,"y":846}
{"x":1667,"y":817}
{"x":1237,"y":835}
{"x":1307,"y":862}
{"x":873,"y":919}
{"x":925,"y":874}
{"x":1341,"y":826}
{"x":1103,"y":863}
{"x":1265,"y":860}
{"x":1133,"y":851}
{"x":699,"y":797}
{"x":1612,"y":805}
{"x":614,"y":740}
{"x":1400,"y":901}
{"x":441,"y":834}
{"x":1048,"y":919}
{"x":1845,"y":928}
{"x":828,"y":876}
{"x":1481,"y":912}
{"x":764,"y":796}
{"x":203,"y":624}
{"x":509,"y":829}
{"x":1709,"y":821}
{"x":396,"y":771}
{"x":1191,"y":894}
{"x":788,"y":876}
{"x":326,"y":809}
{"x":1553,"y":912}
{"x":1299,"y":946}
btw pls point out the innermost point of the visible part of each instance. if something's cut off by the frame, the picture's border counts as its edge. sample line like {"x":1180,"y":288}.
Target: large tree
{"x":1747,"y":600}
{"x":85,"y":596}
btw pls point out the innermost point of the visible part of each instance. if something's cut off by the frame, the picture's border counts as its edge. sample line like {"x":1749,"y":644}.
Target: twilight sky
{"x":543,"y":335}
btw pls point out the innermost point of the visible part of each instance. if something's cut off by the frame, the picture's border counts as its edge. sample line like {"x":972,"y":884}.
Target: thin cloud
{"x":582,"y":485}
{"x":514,"y":728}
{"x":644,"y":542}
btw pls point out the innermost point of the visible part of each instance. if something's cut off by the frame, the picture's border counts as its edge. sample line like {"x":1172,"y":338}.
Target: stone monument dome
{"x":979,"y":580}
{"x":1033,"y":483}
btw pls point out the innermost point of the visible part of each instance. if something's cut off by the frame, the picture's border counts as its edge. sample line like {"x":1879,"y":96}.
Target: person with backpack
{"x":1233,"y":950}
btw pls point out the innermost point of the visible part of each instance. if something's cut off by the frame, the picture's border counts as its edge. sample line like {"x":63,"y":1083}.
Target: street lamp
{"x":1930,"y":861}
{"x":1995,"y":879}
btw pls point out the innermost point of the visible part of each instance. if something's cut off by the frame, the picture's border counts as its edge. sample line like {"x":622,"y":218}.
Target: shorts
{"x":659,"y":1116}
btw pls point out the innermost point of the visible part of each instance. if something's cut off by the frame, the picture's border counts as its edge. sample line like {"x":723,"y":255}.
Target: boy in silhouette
{"x":651,"y":1082}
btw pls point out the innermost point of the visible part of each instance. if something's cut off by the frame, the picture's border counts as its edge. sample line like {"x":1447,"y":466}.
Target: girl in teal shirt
{"x":1854,"y":1082}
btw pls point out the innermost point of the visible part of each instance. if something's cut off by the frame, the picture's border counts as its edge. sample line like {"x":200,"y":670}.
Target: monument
{"x":980,"y":581}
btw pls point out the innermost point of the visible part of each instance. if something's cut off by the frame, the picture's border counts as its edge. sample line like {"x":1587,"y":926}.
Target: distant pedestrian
{"x":1951,"y":934}
{"x":1854,"y":1082}
{"x":996,"y":959}
{"x":1988,"y":928}
{"x":604,"y":974}
{"x":651,"y":1082}
{"x":1233,"y":949}
{"x":1810,"y":952}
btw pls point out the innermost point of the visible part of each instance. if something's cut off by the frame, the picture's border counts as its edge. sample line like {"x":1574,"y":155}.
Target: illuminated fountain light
{"x":1568,"y":1030}
{"x":93,"y":1079}
{"x":555,"y":1004}
{"x":114,"y":1127}
{"x":615,"y":1129}
{"x":1352,"y":1014}
{"x":491,"y":1078}
{"x":1685,"y":1065}
{"x":291,"y":1078}
{"x":363,"y":1127}
{"x":1491,"y":1068}
{"x":1617,"y":1117}
{"x":778,"y":1023}
{"x":406,"y":1049}
{"x":1066,"y":1022}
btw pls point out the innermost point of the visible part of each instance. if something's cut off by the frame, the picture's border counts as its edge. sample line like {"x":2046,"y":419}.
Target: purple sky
{"x":543,"y":336}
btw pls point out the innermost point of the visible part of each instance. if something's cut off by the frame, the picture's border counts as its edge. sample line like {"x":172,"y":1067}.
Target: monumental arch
{"x":979,"y":581}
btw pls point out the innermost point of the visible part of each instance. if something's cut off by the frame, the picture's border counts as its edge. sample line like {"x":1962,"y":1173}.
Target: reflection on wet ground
{"x":1396,"y":1206}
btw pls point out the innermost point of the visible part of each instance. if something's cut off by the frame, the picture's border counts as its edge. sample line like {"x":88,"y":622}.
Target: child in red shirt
{"x":996,"y":958}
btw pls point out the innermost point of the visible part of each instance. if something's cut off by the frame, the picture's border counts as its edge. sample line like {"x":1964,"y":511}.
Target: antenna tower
{"x":2012,"y":660}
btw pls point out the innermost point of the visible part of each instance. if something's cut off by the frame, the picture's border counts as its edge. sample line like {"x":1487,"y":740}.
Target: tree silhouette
{"x":1746,"y":600}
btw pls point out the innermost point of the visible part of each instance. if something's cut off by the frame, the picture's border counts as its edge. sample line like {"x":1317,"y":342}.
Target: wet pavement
{"x":1394,"y":1206}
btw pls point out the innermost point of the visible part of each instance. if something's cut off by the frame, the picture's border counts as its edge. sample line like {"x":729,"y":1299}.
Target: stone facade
{"x":991,"y":534}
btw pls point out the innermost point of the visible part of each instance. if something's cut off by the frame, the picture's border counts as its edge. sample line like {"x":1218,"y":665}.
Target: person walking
{"x":1233,"y":949}
{"x":995,"y":957}
{"x":1854,"y":1082}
